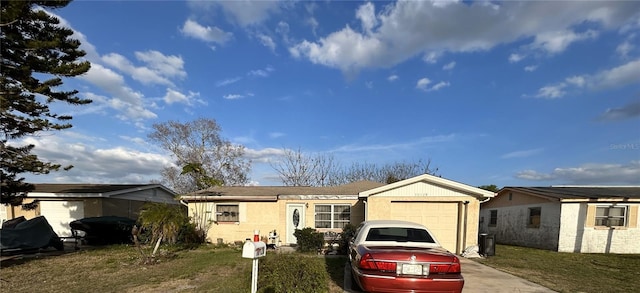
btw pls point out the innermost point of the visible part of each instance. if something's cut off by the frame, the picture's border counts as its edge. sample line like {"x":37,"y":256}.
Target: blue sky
{"x":514,"y":93}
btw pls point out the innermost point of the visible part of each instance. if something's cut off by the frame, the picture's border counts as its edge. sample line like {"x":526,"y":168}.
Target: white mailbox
{"x":254,"y":249}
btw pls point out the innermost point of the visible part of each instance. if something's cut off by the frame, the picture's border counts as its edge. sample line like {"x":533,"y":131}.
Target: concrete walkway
{"x":481,"y":278}
{"x":477,"y":278}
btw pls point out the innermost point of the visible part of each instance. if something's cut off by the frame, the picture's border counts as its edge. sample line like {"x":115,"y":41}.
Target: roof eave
{"x":477,"y":192}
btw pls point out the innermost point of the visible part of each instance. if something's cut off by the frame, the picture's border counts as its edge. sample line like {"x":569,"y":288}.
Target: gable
{"x":421,"y":189}
{"x":428,"y":185}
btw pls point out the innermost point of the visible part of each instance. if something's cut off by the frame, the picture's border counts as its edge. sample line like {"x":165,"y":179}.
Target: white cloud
{"x":276,"y":134}
{"x":158,"y":70}
{"x":624,"y":49}
{"x":558,"y":41}
{"x":612,"y":78}
{"x":173,"y":96}
{"x":392,"y":77}
{"x":205,"y":33}
{"x":313,"y":23}
{"x":423,"y":84}
{"x":367,"y":15}
{"x":267,"y":42}
{"x":418,"y":143}
{"x":247,"y":13}
{"x":552,"y":91}
{"x":263,"y":155}
{"x":619,"y":76}
{"x":124,"y":99}
{"x":577,"y":81}
{"x":591,"y":173}
{"x":404,"y":29}
{"x":170,"y":66}
{"x":227,"y":81}
{"x":629,"y":111}
{"x":233,"y":96}
{"x":521,"y":153}
{"x":369,"y":84}
{"x":261,"y":72}
{"x":440,"y":85}
{"x":432,"y":57}
{"x":515,"y":58}
{"x":94,"y":164}
{"x":449,"y":66}
{"x":283,"y":30}
{"x":530,"y":68}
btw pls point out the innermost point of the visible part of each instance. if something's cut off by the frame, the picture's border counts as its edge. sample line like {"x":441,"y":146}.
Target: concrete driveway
{"x":477,"y":278}
{"x":481,"y":278}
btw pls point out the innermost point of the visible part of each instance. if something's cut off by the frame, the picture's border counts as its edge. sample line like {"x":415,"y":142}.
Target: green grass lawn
{"x":120,"y":268}
{"x":570,"y":272}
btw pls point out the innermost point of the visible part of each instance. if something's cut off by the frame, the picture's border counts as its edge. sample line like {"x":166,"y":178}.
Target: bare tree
{"x":198,"y":143}
{"x":299,"y":169}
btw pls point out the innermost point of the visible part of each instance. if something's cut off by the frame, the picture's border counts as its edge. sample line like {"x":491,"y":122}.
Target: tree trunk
{"x":157,"y":246}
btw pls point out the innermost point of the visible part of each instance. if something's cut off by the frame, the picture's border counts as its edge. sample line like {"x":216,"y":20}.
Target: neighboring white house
{"x":587,"y":219}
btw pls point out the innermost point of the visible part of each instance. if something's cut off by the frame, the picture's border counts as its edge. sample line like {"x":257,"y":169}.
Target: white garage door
{"x":440,"y":218}
{"x":60,"y":213}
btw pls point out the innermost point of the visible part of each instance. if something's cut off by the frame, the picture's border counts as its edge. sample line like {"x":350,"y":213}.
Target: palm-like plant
{"x":164,"y":221}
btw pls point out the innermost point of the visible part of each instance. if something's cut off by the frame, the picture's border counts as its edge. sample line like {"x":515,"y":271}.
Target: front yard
{"x":207,"y":269}
{"x":569,"y":272}
{"x":120,"y":269}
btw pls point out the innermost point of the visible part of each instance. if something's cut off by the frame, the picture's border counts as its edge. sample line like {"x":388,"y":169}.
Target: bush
{"x":292,"y":273}
{"x":309,"y":239}
{"x":347,"y":233}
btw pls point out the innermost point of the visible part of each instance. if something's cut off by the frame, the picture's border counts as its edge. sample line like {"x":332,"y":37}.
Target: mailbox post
{"x":254,"y":250}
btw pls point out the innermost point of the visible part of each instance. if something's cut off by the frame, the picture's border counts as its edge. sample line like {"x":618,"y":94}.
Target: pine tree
{"x":36,"y":53}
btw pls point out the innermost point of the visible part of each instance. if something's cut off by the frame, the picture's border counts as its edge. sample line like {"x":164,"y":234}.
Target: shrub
{"x":309,"y":239}
{"x":292,"y":273}
{"x":347,"y":233}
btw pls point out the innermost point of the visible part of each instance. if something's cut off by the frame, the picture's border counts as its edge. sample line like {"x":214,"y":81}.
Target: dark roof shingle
{"x":581,"y":192}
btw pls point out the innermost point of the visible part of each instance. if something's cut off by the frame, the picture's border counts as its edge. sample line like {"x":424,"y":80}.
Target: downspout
{"x":464,"y":231}
{"x":366,"y":208}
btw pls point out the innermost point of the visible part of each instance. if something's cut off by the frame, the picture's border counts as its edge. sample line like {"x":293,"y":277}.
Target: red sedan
{"x":399,"y":256}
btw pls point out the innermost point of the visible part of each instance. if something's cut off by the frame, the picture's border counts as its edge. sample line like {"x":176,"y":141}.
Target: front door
{"x":295,"y":220}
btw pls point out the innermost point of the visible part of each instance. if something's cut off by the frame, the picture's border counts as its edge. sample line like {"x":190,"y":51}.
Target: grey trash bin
{"x":487,"y":244}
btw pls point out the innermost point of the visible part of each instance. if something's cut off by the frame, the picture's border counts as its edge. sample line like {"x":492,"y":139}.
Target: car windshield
{"x":399,"y":234}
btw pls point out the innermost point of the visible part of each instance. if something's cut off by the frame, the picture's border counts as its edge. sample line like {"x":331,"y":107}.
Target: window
{"x":399,"y":235}
{"x":227,"y":213}
{"x":611,"y":216}
{"x":534,"y":217}
{"x":333,"y":216}
{"x":493,"y":218}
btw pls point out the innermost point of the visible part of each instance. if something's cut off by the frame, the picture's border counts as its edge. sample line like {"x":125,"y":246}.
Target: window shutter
{"x":633,"y":216}
{"x":591,"y":216}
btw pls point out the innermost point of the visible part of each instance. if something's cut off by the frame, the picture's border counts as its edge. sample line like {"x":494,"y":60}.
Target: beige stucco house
{"x":235,"y":212}
{"x":587,"y":219}
{"x":450,"y":209}
{"x":61,"y":204}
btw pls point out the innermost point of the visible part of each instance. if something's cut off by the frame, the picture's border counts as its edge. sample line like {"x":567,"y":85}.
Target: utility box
{"x":254,"y":249}
{"x":487,"y":244}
